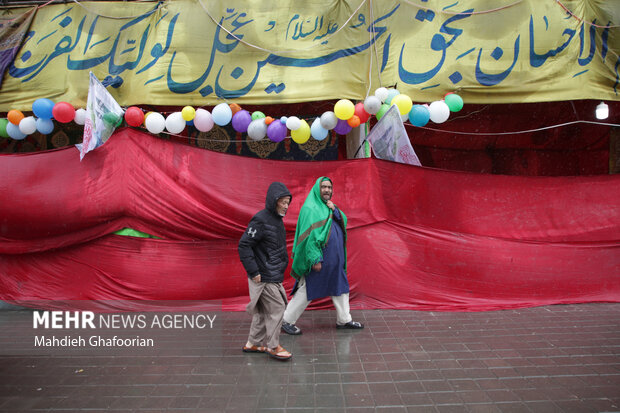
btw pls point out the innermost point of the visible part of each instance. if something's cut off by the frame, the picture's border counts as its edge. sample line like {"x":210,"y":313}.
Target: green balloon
{"x":257,"y":115}
{"x":3,"y":132}
{"x":454,"y":102}
{"x":384,"y":108}
{"x":111,"y":118}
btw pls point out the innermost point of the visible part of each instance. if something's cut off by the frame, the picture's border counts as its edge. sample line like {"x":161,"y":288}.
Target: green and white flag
{"x":103,"y":116}
{"x":390,"y":141}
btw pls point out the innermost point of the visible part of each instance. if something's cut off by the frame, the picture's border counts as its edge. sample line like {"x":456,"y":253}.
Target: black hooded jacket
{"x":262,"y":247}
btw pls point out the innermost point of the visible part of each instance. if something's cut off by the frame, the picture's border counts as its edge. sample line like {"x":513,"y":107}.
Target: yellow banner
{"x":200,"y":52}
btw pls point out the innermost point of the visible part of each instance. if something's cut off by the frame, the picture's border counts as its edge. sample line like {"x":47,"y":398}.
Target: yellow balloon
{"x":302,"y":134}
{"x":344,"y":109}
{"x":146,"y":115}
{"x":188,"y":113}
{"x":403,"y":102}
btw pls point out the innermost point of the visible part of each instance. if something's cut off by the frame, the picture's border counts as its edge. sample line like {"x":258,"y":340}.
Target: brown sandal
{"x":254,"y":349}
{"x":279,"y":353}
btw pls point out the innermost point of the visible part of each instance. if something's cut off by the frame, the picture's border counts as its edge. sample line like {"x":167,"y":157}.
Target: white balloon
{"x":175,"y":122}
{"x":329,"y":120}
{"x":155,"y":123}
{"x":439,"y":111}
{"x":404,"y":117}
{"x":372,"y":104}
{"x":80,"y":116}
{"x":14,"y":132}
{"x":381,"y":94}
{"x":203,"y":121}
{"x":293,"y":123}
{"x":257,"y":129}
{"x":28,"y":125}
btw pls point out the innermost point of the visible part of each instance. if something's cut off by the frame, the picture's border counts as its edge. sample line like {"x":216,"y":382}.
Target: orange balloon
{"x":268,"y":120}
{"x":234,"y":108}
{"x":354,"y":121}
{"x":15,"y":116}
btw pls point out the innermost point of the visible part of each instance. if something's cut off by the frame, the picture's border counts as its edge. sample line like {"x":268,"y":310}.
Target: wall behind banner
{"x":180,"y":52}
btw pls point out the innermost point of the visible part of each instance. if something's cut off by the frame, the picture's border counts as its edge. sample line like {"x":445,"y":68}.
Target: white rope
{"x":372,"y":32}
{"x":516,"y":132}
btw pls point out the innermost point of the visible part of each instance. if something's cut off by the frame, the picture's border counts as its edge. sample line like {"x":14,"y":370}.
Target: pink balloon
{"x":361,"y":112}
{"x":203,"y":121}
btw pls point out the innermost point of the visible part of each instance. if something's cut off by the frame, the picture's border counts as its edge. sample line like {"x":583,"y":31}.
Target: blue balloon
{"x":221,"y":114}
{"x":14,"y":132}
{"x":45,"y":126}
{"x":317,"y":130}
{"x":419,"y":115}
{"x":391,"y":94}
{"x":42,"y":108}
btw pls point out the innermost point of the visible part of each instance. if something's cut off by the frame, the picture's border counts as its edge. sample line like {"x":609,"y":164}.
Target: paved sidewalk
{"x":563,"y":358}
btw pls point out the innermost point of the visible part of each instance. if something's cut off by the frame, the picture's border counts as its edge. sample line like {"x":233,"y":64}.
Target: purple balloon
{"x":276,"y":131}
{"x":342,"y":127}
{"x":241,"y":120}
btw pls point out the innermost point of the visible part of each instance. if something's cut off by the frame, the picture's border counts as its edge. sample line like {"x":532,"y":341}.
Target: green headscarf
{"x":313,"y":228}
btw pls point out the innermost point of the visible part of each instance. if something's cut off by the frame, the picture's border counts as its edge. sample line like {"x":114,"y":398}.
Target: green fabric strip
{"x":130,"y":232}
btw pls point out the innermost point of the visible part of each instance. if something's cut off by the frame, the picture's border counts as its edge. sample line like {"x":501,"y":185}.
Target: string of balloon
{"x":559,"y":125}
{"x":344,"y":117}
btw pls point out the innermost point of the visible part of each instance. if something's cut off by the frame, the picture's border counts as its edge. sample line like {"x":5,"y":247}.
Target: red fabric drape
{"x":419,"y":238}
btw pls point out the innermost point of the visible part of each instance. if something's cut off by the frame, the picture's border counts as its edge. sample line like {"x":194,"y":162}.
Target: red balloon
{"x":361,"y":113}
{"x":134,"y":116}
{"x":63,"y":112}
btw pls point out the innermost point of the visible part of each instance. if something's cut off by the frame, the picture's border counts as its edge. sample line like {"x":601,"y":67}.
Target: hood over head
{"x":276,"y":191}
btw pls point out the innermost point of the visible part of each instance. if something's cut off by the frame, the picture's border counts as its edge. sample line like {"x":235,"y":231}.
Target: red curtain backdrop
{"x":419,"y":238}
